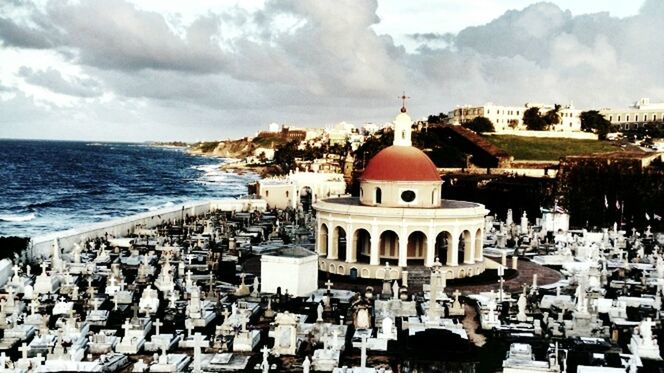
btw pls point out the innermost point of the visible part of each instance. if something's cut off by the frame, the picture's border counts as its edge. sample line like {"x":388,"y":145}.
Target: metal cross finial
{"x":403,"y":101}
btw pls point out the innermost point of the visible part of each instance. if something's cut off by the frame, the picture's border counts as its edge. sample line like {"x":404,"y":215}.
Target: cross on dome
{"x":402,"y":125}
{"x":403,"y":98}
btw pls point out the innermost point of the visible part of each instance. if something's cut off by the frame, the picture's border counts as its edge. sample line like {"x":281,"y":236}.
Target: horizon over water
{"x":52,"y":185}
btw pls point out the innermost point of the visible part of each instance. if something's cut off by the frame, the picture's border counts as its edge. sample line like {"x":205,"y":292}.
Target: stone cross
{"x":329,"y":285}
{"x":24,"y":350}
{"x":265,"y":365}
{"x":126,"y":326}
{"x":15,"y":268}
{"x":39,"y":359}
{"x":157,"y":324}
{"x":198,"y":343}
{"x":456,"y":295}
{"x":363,"y":357}
{"x":43,"y":266}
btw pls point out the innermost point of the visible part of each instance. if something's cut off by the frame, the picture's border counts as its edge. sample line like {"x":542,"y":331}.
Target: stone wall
{"x":41,"y":247}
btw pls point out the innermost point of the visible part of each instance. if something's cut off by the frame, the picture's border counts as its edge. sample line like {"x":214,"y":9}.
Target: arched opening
{"x":479,"y":242}
{"x":362,"y":245}
{"x":465,"y":250}
{"x":322,"y":240}
{"x":379,"y":196}
{"x":443,"y":240}
{"x":306,"y":198}
{"x":339,"y":242}
{"x":417,"y":247}
{"x":389,"y":246}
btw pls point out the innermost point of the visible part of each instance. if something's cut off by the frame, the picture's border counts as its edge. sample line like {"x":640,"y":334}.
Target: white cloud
{"x":136,"y":72}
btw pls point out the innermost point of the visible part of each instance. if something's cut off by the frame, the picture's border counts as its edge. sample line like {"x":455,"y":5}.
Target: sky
{"x":130,"y":70}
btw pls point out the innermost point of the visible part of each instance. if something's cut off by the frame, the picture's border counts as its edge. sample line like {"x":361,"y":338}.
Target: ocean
{"x":48,"y":186}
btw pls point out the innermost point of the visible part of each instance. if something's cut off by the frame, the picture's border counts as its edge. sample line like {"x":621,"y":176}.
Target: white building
{"x":300,"y":265}
{"x":642,"y":111}
{"x":507,"y":119}
{"x":399,"y":218}
{"x":283,"y":192}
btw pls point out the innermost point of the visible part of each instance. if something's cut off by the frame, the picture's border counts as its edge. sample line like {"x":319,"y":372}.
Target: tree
{"x":437,"y":119}
{"x":480,"y":125}
{"x":552,"y":117}
{"x":284,"y":156}
{"x":533,"y":120}
{"x":593,"y":121}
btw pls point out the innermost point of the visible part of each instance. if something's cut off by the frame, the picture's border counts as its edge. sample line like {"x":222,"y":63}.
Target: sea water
{"x":48,"y":186}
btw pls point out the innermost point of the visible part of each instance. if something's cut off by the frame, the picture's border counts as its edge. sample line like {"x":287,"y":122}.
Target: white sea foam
{"x":18,"y":218}
{"x":212,"y":174}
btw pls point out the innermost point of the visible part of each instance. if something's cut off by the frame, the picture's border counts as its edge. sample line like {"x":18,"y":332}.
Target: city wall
{"x":41,"y":247}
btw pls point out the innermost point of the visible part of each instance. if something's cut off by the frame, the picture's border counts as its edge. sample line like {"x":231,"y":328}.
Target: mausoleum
{"x":399,"y":218}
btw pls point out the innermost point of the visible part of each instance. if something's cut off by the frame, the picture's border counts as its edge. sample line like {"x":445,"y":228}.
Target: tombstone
{"x":242,"y":290}
{"x":644,"y":344}
{"x":306,"y":365}
{"x":388,"y":331}
{"x":521,"y":303}
{"x":361,"y":316}
{"x":255,"y":293}
{"x":319,"y":311}
{"x":457,"y":308}
{"x":285,"y":334}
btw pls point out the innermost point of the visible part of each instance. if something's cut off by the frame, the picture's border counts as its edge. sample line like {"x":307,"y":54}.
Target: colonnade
{"x":403,"y":245}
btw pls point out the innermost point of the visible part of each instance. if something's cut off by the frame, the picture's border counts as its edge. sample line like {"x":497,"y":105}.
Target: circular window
{"x":408,"y":196}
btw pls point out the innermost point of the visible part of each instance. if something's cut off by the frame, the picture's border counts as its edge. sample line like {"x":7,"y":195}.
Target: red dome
{"x":400,"y":163}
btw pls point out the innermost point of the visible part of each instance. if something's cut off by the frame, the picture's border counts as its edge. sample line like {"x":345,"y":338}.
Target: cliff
{"x":235,"y":148}
{"x":229,"y":149}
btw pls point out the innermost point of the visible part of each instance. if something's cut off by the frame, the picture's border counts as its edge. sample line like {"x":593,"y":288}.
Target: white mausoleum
{"x":399,"y":218}
{"x":283,"y":192}
{"x":290,"y":268}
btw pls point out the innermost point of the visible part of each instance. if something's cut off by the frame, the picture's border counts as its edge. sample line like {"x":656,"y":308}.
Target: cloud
{"x":316,"y":62}
{"x":55,"y":82}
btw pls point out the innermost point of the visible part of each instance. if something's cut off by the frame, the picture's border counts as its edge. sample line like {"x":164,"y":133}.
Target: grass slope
{"x":547,"y":149}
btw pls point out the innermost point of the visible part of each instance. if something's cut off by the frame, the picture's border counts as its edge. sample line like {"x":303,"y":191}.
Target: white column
{"x":453,"y":249}
{"x":468,"y":250}
{"x":374,"y":248}
{"x":403,"y":250}
{"x":431,"y":250}
{"x":479,"y":247}
{"x":331,"y":245}
{"x":351,"y":244}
